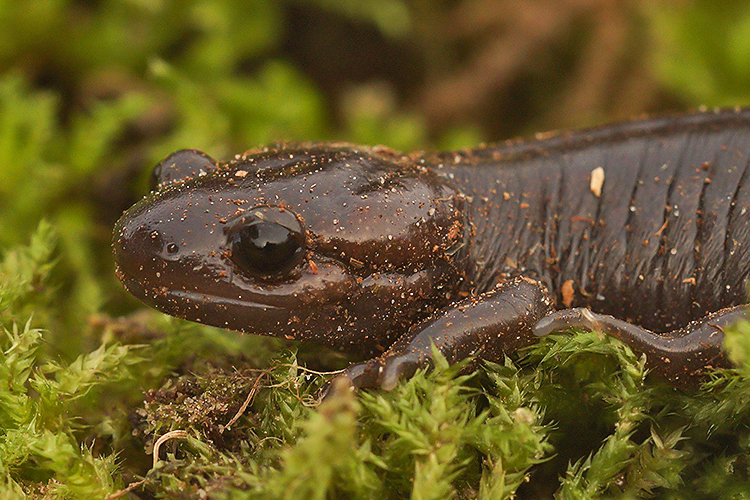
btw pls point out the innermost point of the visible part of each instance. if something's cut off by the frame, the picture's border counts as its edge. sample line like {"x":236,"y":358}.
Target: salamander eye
{"x":179,"y":166}
{"x":266,"y":247}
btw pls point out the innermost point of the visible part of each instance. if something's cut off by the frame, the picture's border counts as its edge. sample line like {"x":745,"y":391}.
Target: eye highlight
{"x":269,"y":243}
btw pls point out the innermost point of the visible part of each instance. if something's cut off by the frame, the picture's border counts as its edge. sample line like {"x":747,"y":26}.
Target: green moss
{"x":39,"y":450}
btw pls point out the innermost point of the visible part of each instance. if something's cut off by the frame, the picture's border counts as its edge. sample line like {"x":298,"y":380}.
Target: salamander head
{"x":341,"y":245}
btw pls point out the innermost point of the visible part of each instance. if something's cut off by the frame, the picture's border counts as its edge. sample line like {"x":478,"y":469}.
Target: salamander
{"x":638,"y":229}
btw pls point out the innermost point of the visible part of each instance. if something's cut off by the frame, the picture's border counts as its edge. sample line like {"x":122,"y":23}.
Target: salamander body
{"x":639,"y":229}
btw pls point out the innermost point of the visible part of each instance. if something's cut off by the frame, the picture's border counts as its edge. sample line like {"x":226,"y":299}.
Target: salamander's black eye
{"x":269,"y":245}
{"x":179,"y":166}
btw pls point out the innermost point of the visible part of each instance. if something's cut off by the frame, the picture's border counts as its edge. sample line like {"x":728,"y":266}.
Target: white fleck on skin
{"x":597,"y":181}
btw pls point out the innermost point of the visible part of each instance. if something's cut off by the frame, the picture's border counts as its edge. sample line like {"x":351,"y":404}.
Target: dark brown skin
{"x":477,"y":252}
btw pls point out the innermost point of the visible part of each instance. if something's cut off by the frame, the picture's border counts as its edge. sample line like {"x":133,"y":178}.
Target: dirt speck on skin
{"x":568,"y":293}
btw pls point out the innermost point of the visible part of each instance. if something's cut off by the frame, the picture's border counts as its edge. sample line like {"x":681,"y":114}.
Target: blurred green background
{"x":93,"y":93}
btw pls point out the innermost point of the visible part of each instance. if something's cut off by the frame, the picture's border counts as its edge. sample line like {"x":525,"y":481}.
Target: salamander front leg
{"x":679,"y":356}
{"x":486,"y":326}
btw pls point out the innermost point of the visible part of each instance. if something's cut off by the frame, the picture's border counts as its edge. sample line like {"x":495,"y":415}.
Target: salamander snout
{"x":141,"y":253}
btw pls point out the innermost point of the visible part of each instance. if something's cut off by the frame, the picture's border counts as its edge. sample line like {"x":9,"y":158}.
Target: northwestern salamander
{"x":638,"y":229}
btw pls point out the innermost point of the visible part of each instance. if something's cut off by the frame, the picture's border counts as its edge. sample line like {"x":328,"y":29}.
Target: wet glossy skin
{"x":382,"y":255}
{"x":380,"y":247}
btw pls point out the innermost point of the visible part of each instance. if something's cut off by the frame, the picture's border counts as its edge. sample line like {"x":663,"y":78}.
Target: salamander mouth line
{"x":203,"y":298}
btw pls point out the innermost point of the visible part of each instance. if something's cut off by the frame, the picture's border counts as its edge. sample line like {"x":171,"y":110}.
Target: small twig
{"x":128,"y":489}
{"x":178,"y":434}
{"x":248,"y":399}
{"x":314,"y":372}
